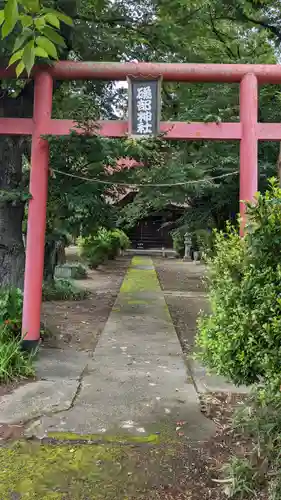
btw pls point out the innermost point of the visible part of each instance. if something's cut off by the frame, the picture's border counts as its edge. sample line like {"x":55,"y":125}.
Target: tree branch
{"x":258,"y":22}
{"x":220,"y":37}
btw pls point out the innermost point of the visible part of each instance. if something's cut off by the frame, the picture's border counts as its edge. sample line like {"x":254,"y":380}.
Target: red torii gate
{"x":248,"y":131}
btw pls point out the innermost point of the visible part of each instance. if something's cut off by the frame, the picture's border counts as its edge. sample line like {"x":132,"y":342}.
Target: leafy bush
{"x":123,"y":240}
{"x":241,"y":338}
{"x":80,"y":270}
{"x":62,"y":289}
{"x":205,"y":240}
{"x":178,"y":243}
{"x":103,"y":245}
{"x":240,"y":481}
{"x":11,"y":304}
{"x":13,"y":362}
{"x":94,"y":248}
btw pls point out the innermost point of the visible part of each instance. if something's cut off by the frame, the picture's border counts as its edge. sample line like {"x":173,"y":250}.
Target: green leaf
{"x":54,"y":36}
{"x":20,"y":68}
{"x":15,"y":57}
{"x":40,"y":23}
{"x":29,"y":56}
{"x":21,"y":39}
{"x":2,"y":17}
{"x":39,"y":52}
{"x":6,"y":29}
{"x":11,"y":15}
{"x":32,"y":5}
{"x":53,"y":20}
{"x":26,"y":20}
{"x":48,"y":46}
{"x":63,"y":17}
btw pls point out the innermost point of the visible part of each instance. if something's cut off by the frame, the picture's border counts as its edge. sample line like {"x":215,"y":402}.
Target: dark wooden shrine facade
{"x":153,"y":231}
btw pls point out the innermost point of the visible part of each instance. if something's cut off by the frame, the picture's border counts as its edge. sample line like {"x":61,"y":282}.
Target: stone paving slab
{"x":36,"y":398}
{"x":53,"y":364}
{"x":206,"y":382}
{"x":136,"y":413}
{"x":148,"y":363}
{"x":59,"y":373}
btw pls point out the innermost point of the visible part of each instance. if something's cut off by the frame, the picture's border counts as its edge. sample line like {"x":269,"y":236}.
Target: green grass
{"x":14,"y":363}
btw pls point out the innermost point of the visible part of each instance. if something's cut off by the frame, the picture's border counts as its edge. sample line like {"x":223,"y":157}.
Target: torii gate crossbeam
{"x":248,"y":131}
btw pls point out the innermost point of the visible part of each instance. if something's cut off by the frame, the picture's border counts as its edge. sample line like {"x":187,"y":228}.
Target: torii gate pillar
{"x":35,"y":243}
{"x":248,"y":143}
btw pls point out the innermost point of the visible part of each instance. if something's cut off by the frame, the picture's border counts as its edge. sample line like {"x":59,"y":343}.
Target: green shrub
{"x":123,"y":240}
{"x":205,"y":240}
{"x":14,"y":363}
{"x":103,"y":245}
{"x":240,"y":479}
{"x":11,"y":304}
{"x":80,"y":270}
{"x":95,"y":248}
{"x":258,"y":423}
{"x":241,"y":338}
{"x":178,"y":243}
{"x":62,"y":289}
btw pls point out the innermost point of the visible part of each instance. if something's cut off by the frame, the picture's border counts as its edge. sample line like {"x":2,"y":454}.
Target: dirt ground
{"x":185,"y":294}
{"x":180,"y":276}
{"x":79,"y":324}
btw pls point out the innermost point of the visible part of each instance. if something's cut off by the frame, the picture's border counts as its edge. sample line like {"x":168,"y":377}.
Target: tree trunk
{"x":50,"y":261}
{"x":12,"y":148}
{"x":12,"y":255}
{"x":54,"y":255}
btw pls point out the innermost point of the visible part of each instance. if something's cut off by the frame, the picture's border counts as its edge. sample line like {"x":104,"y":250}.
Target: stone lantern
{"x":187,"y":245}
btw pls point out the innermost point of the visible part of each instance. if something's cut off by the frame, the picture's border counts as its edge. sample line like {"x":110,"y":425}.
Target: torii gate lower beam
{"x":248,"y":132}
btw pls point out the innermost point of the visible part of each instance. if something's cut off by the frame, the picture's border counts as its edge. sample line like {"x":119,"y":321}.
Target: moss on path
{"x":141,"y":277}
{"x":77,"y":471}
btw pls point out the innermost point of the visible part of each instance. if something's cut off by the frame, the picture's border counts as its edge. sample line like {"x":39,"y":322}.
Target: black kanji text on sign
{"x":144,"y":107}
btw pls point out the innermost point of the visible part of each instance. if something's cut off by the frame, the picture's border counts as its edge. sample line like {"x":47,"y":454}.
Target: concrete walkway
{"x":135,"y":384}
